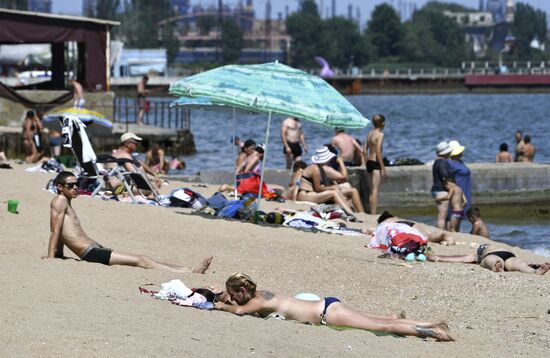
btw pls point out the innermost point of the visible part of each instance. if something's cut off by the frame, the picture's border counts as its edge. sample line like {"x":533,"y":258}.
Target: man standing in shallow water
{"x":65,"y":230}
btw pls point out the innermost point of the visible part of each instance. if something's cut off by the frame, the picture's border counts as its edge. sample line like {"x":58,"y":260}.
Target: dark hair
{"x":145,"y":77}
{"x":504,"y":147}
{"x":61,"y":178}
{"x":378,"y":120}
{"x":527,"y":139}
{"x":260,"y":149}
{"x":331,"y":148}
{"x":249,"y":143}
{"x":209,"y":295}
{"x":299,"y":164}
{"x":473,"y":212}
{"x":384,"y":216}
{"x":449,"y":180}
{"x":31,"y":113}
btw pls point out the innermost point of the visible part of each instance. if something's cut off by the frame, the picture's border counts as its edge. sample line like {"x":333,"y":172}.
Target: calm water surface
{"x":414,"y":125}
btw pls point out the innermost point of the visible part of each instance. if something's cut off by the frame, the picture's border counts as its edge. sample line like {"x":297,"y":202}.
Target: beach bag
{"x":404,"y":243}
{"x":231,"y":209}
{"x":186,"y":198}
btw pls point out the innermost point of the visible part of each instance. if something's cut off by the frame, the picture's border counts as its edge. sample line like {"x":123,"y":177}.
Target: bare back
{"x":288,"y":307}
{"x":375,"y":145}
{"x":345,"y":144}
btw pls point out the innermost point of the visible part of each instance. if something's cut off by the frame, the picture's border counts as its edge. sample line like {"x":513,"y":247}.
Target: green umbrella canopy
{"x":273,"y":87}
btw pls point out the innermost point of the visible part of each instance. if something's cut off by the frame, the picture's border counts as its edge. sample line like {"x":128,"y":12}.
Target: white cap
{"x":128,"y":136}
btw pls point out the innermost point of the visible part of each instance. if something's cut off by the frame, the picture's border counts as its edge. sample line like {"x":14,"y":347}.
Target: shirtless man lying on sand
{"x":66,"y":231}
{"x":495,"y":259}
{"x":330,"y":310}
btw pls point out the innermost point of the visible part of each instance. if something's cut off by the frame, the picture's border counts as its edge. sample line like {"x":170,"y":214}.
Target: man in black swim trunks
{"x":293,"y":139}
{"x":495,"y":259}
{"x":65,"y":230}
{"x":375,"y":160}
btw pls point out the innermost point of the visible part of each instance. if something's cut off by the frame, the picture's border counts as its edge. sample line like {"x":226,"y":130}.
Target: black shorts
{"x":97,"y":253}
{"x":372,"y":166}
{"x":295,"y":149}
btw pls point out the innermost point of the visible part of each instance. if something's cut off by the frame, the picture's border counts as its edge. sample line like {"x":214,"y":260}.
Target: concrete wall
{"x":410,"y":185}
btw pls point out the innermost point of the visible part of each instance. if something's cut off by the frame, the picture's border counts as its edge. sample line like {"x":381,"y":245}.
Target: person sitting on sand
{"x":495,"y":259}
{"x":316,"y":187}
{"x":478,"y":225}
{"x":246,"y":151}
{"x":457,"y":200}
{"x":291,"y":192}
{"x":65,"y":230}
{"x":330,"y":310}
{"x":154,"y":158}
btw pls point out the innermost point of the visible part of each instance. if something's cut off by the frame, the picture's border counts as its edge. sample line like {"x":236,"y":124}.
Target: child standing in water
{"x":457,"y":200}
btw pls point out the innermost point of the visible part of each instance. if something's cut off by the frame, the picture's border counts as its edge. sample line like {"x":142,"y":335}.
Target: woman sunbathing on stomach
{"x":330,"y":310}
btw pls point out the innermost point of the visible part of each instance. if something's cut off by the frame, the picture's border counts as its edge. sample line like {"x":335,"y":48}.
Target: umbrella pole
{"x":234,"y":161}
{"x":263,"y":161}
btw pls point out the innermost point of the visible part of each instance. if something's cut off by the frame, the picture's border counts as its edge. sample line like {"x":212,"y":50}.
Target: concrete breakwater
{"x":508,"y":187}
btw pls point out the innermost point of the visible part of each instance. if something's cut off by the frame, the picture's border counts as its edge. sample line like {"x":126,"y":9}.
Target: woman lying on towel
{"x":329,"y":310}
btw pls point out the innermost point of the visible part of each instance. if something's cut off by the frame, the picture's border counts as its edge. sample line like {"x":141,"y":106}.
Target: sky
{"x":74,"y":7}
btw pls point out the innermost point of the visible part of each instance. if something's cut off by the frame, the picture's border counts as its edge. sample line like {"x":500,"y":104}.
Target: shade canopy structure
{"x":96,"y":122}
{"x":272,"y":88}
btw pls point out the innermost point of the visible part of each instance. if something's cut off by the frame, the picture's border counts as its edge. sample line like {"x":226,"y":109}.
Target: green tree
{"x":15,"y":4}
{"x":140,"y":26}
{"x":306,"y":29}
{"x":385,"y":32}
{"x":232,"y":41}
{"x":528,"y":24}
{"x":205,"y":24}
{"x":433,"y":37}
{"x":107,"y":9}
{"x":342,"y":42}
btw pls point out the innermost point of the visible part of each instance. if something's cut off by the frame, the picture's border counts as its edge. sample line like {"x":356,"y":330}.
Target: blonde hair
{"x":238,"y":280}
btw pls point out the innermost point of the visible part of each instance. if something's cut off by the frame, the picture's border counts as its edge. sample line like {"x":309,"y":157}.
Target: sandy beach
{"x":71,"y":308}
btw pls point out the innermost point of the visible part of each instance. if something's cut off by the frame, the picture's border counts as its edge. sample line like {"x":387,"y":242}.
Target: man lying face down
{"x":65,"y":230}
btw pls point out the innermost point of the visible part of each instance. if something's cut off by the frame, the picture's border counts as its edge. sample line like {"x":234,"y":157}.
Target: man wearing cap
{"x":128,"y":145}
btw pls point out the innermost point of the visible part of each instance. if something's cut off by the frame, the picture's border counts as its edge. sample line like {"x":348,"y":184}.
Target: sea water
{"x":414,"y":126}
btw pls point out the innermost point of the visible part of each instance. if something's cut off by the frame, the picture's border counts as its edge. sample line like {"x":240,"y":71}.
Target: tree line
{"x":429,"y":37}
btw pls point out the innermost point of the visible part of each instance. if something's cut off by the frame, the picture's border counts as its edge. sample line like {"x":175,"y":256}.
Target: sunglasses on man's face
{"x":71,"y":185}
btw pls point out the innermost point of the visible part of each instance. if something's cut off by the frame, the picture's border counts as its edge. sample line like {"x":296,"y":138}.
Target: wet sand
{"x":71,"y":308}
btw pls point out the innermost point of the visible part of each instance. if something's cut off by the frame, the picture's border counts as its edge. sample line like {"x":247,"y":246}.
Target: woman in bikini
{"x":316,"y":187}
{"x":243,"y":291}
{"x":495,"y":259}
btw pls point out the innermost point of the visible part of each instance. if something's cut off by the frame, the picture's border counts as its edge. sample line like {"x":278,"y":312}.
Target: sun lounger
{"x":142,"y":184}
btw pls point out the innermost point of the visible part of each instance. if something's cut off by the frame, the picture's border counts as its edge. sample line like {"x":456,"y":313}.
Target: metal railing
{"x":158,"y":113}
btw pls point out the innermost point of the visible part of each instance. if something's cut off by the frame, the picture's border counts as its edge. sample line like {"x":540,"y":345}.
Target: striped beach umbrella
{"x":270,"y":88}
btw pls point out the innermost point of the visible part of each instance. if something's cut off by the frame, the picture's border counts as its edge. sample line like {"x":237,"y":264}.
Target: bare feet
{"x":543,"y":269}
{"x":499,"y":266}
{"x":203,"y":266}
{"x":438,"y":332}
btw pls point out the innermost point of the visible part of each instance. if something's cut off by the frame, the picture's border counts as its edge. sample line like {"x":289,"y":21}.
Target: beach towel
{"x":251,"y":186}
{"x":388,"y":234}
{"x":70,"y":124}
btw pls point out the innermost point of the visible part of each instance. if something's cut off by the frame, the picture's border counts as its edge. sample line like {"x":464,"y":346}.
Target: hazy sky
{"x":366,"y":6}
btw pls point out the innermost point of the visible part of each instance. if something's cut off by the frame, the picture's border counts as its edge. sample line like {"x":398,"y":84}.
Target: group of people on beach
{"x":324,"y":180}
{"x":524,"y":151}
